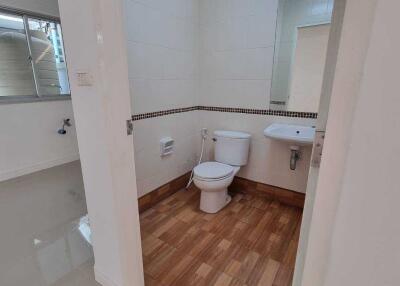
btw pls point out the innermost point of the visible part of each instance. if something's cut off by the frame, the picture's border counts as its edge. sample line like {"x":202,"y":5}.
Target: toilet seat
{"x":231,"y":152}
{"x":213,"y":171}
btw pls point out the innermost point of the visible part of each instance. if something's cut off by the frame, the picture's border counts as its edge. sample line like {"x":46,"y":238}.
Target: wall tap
{"x":66,"y":123}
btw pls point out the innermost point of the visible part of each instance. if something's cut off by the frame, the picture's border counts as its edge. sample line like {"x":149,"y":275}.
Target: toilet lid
{"x":212,"y":170}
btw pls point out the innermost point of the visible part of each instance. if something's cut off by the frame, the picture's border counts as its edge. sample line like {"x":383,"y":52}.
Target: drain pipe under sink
{"x":294,"y":157}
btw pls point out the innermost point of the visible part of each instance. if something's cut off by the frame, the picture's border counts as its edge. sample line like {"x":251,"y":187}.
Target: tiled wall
{"x":236,"y":59}
{"x":162,"y":44}
{"x":163,"y":71}
{"x":152,"y":170}
{"x":269,"y":159}
{"x":209,"y":53}
{"x":236,"y":54}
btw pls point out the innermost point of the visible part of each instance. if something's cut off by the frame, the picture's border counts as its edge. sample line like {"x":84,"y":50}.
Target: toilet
{"x":213,"y":178}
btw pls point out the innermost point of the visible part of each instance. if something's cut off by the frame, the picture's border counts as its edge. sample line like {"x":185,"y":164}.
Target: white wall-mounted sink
{"x":300,"y":135}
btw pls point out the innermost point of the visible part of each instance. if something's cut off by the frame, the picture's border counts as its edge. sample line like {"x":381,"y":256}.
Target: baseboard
{"x":282,"y":195}
{"x":7,"y":175}
{"x":154,"y":197}
{"x":103,"y":279}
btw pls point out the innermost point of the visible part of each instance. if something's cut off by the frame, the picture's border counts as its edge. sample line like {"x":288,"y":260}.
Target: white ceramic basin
{"x":301,"y":135}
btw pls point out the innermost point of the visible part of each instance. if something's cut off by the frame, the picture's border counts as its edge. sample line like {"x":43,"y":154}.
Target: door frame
{"x":95,"y":45}
{"x":349,"y":42}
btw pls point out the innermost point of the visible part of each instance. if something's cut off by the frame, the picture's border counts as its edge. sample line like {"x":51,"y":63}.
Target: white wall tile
{"x":210,"y":52}
{"x":269,"y":159}
{"x":260,"y":31}
{"x":223,"y":10}
{"x":237,"y":46}
{"x":163,"y":68}
{"x":154,"y":170}
{"x":243,"y":8}
{"x":266,"y":7}
{"x":135,"y":17}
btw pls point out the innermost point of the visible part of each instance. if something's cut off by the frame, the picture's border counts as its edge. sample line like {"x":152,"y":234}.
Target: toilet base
{"x":213,"y":201}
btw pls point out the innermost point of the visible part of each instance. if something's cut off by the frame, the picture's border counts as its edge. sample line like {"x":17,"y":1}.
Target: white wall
{"x":269,"y":159}
{"x":236,"y":62}
{"x":236,"y":55}
{"x":29,"y":140}
{"x":95,"y":43}
{"x":152,"y":170}
{"x":162,"y":51}
{"x":365,"y":249}
{"x":354,"y":44}
{"x":354,"y":229}
{"x":325,"y":100}
{"x":213,"y":53}
{"x":162,"y":43}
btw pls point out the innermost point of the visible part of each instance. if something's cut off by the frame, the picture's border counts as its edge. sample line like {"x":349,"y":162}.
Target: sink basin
{"x":301,"y":135}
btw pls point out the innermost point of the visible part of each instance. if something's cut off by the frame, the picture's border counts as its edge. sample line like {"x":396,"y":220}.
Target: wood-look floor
{"x":253,"y":241}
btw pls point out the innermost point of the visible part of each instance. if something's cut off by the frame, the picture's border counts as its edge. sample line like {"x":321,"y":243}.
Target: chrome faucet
{"x":66,"y":123}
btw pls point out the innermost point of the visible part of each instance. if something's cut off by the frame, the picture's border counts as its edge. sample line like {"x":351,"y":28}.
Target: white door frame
{"x":97,"y":61}
{"x":339,"y":97}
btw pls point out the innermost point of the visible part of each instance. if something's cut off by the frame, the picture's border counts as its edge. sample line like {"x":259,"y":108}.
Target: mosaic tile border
{"x":260,"y":111}
{"x":162,"y":113}
{"x":283,"y":113}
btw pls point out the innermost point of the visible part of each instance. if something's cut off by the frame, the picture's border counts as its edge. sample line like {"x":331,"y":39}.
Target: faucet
{"x":66,"y":123}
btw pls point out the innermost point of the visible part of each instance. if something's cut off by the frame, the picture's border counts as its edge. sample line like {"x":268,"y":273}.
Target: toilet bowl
{"x":214,"y":178}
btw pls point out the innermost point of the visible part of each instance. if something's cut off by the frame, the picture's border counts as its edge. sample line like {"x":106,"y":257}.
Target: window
{"x":32,"y":58}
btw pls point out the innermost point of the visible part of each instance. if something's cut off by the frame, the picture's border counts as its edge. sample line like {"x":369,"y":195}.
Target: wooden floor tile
{"x":284,"y":276}
{"x":223,"y":280}
{"x":150,"y":244}
{"x":200,"y":274}
{"x":176,"y":270}
{"x":270,"y":271}
{"x":248,"y":265}
{"x":252,"y":241}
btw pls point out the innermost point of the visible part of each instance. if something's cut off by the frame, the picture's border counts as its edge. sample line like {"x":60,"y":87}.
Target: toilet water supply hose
{"x":203,"y":140}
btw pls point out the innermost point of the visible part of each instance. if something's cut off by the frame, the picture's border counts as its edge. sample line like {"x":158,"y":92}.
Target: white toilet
{"x":213,"y":178}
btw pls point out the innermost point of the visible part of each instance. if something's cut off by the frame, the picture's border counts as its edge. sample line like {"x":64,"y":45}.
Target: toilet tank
{"x":232,"y":147}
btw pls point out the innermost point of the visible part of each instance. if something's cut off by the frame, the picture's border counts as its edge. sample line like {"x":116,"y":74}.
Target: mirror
{"x":302,"y":34}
